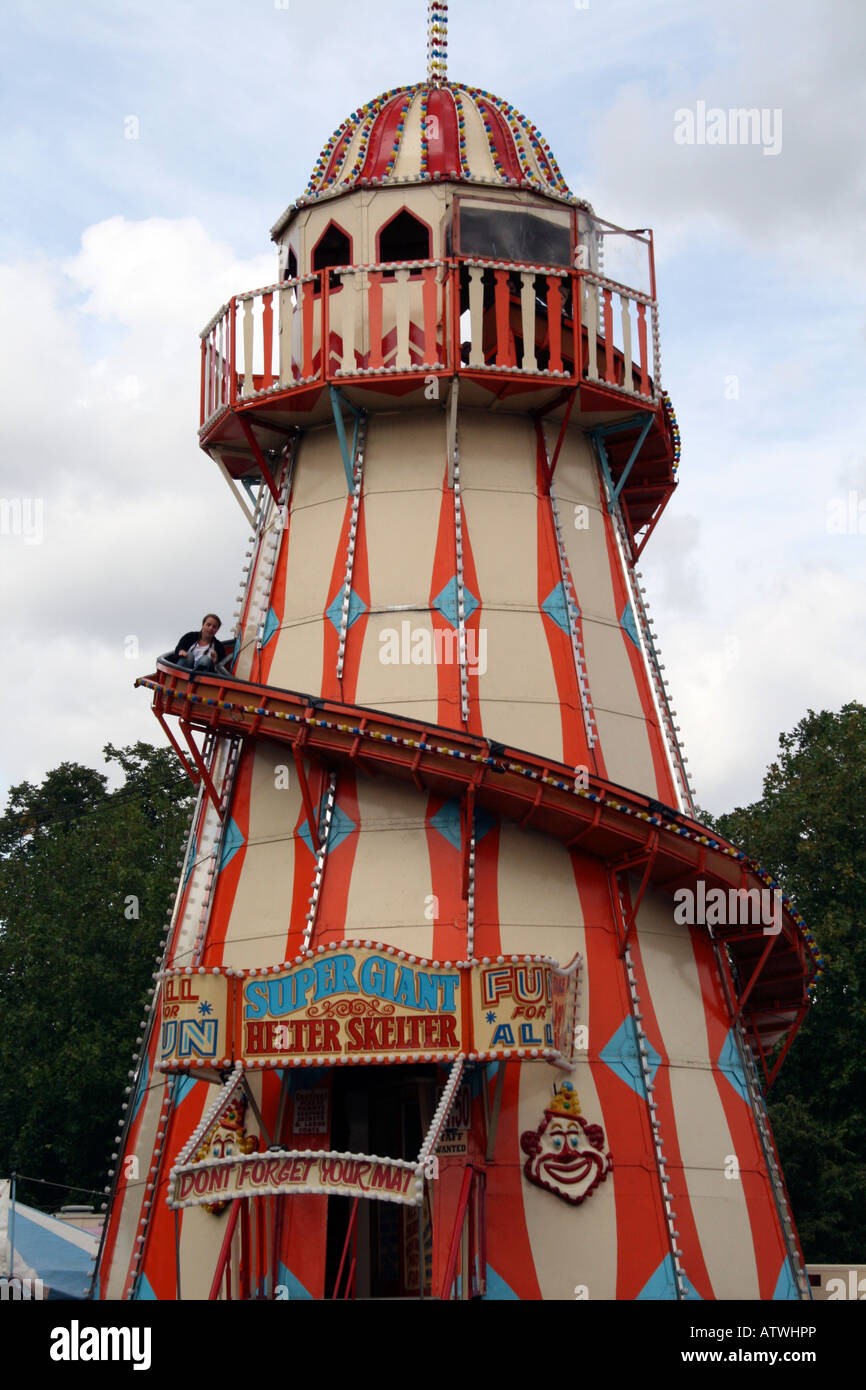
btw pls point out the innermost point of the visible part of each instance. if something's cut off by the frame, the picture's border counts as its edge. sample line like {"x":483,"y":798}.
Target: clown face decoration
{"x":228,"y":1137}
{"x":565,"y":1154}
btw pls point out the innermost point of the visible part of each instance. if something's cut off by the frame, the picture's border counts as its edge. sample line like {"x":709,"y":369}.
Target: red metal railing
{"x":466,"y":1267}
{"x":435,"y":316}
{"x":223,"y":1264}
{"x":351,"y":1242}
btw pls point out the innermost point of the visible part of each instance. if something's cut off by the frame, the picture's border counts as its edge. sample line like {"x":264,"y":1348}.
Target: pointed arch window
{"x":404,"y":238}
{"x":334,"y":248}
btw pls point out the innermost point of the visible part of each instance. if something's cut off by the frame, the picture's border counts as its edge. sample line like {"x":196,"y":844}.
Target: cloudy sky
{"x":147,"y":148}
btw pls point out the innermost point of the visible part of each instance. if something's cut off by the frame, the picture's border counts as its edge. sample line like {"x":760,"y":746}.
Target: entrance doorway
{"x":384,"y":1111}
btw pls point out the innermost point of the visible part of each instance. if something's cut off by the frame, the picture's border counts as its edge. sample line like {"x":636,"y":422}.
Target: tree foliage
{"x":809,"y":829}
{"x":86,"y":876}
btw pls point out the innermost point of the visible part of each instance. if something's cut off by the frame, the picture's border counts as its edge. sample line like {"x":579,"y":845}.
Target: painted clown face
{"x":229,"y":1137}
{"x":566,"y":1155}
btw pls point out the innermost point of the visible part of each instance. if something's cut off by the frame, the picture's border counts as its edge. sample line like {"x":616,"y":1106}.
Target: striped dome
{"x":436,"y":131}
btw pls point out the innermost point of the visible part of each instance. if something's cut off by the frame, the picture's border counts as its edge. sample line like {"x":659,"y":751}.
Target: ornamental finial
{"x":437,"y":42}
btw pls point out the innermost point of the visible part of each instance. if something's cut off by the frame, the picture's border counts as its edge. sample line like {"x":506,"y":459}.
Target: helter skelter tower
{"x":458,"y":999}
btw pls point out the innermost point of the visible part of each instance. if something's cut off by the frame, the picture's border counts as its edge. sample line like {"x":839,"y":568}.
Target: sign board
{"x":310,"y":1111}
{"x":524,"y":1006}
{"x":194,"y":1013}
{"x":368,"y":1005}
{"x":291,"y":1172}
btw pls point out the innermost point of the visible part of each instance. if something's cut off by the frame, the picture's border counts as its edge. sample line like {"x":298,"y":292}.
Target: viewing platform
{"x":562,"y":344}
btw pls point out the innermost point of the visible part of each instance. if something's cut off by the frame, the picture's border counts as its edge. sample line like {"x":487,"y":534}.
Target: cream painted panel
{"x":391,"y":879}
{"x":202,"y":1233}
{"x":503,"y":535}
{"x":403,"y":688}
{"x":576,"y":479}
{"x":539,"y":905}
{"x":478,"y":154}
{"x":347,"y":213}
{"x":201,"y":1238}
{"x":404,"y":469}
{"x":518,"y":695}
{"x":534,"y":728}
{"x":702,"y":1129}
{"x":618,"y":712}
{"x":718,"y":1202}
{"x":259,"y":921}
{"x":299,"y":656}
{"x":626,"y":751}
{"x":130,"y":1214}
{"x":586,"y":552}
{"x":570,"y":1245}
{"x":610,"y":675}
{"x":314,"y":545}
{"x":408,"y":160}
{"x":497,"y":453}
{"x":726,"y":1241}
{"x":319,"y":473}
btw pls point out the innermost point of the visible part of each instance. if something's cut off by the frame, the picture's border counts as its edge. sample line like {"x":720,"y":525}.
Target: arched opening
{"x":404,"y":238}
{"x":291,"y":270}
{"x":334,"y":248}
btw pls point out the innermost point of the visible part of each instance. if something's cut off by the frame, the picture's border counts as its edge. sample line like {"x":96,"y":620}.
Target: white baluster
{"x":590,"y":319}
{"x":625,"y":305}
{"x":248,"y":347}
{"x":476,"y":315}
{"x":527,"y":312}
{"x":286,"y":311}
{"x":224,"y":360}
{"x":402,"y":292}
{"x":349,"y":303}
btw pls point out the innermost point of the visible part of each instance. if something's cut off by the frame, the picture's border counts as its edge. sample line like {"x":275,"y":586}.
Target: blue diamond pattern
{"x":447,"y":822}
{"x":182,"y":1089}
{"x":341,"y":826}
{"x":446,"y":602}
{"x":357,"y":606}
{"x":629,"y":625}
{"x":272,"y":624}
{"x":622,"y":1056}
{"x":293,"y":1284}
{"x":497,"y":1289}
{"x":556,"y":606}
{"x":232,"y":842}
{"x":786,"y":1286}
{"x":730,"y":1065}
{"x":663,"y":1285}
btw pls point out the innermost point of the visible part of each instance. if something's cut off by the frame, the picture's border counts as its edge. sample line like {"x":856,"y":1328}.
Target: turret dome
{"x":436,"y":131}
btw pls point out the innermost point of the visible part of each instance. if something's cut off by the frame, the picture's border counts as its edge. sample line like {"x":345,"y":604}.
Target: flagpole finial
{"x":437,"y":42}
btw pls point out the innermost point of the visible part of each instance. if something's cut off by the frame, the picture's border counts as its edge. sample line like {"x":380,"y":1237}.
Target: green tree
{"x":86,"y":876}
{"x":809,"y":829}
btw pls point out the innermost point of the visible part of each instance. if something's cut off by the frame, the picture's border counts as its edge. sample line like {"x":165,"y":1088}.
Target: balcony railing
{"x":428,"y":317}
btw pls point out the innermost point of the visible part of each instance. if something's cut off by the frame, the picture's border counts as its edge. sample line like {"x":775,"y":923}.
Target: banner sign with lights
{"x":368,"y":1005}
{"x":291,"y":1173}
